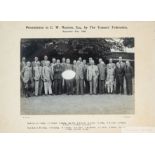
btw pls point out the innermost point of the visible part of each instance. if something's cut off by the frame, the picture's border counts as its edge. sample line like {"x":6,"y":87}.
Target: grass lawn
{"x":78,"y":104}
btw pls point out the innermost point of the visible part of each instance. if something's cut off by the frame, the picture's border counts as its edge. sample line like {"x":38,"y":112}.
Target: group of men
{"x":45,"y":77}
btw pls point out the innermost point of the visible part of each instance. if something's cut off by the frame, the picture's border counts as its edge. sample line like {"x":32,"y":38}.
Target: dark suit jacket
{"x":119,"y":72}
{"x":102,"y":71}
{"x":57,"y":69}
{"x":128,"y":72}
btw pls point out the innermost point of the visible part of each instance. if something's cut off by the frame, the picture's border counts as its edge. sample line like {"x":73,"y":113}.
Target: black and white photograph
{"x":77,"y":76}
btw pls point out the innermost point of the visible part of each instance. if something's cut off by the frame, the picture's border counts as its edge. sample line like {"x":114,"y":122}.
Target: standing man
{"x":53,"y":63}
{"x":79,"y":78}
{"x":37,"y":73}
{"x":43,"y":63}
{"x":47,"y":78}
{"x":69,"y":83}
{"x":86,"y":83}
{"x":102,"y":76}
{"x":57,"y":70}
{"x":119,"y":76}
{"x":22,"y":65}
{"x":128,"y":77}
{"x":122,"y":67}
{"x":63,"y":64}
{"x":34,"y":64}
{"x":92,"y":76}
{"x":26,"y":75}
{"x":74,"y":80}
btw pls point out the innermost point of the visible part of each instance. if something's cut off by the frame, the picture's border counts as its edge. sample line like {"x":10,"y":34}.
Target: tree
{"x":128,"y":42}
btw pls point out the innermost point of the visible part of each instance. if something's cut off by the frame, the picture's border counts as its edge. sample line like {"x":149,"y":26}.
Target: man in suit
{"x":43,"y":63}
{"x":63,"y":64}
{"x":86,"y":82}
{"x":53,"y":63}
{"x":119,"y":76}
{"x":22,"y":65}
{"x":102,"y":76}
{"x":57,"y":70}
{"x":74,"y":80}
{"x":92,"y":77}
{"x":34,"y":64}
{"x":79,"y":77}
{"x":37,"y":75}
{"x":69,"y":83}
{"x":128,"y":77}
{"x":26,"y":75}
{"x":47,"y":78}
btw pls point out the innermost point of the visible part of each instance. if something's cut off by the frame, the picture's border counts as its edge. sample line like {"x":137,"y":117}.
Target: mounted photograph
{"x":77,"y":76}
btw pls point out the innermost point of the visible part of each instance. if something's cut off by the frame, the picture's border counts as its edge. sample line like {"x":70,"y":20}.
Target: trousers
{"x":47,"y":87}
{"x":101,"y":86}
{"x":79,"y":86}
{"x":57,"y":86}
{"x":93,"y":86}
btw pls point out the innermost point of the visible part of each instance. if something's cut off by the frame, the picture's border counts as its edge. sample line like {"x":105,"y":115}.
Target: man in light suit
{"x":37,"y":75}
{"x":102,"y":76}
{"x":79,"y":77}
{"x":26,"y":75}
{"x":47,"y":78}
{"x":22,"y":65}
{"x":92,"y":77}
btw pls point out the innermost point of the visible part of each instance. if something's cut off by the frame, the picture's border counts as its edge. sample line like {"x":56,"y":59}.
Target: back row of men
{"x":43,"y":77}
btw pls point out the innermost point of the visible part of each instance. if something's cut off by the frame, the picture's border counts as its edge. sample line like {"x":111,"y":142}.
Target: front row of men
{"x":46,"y":78}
